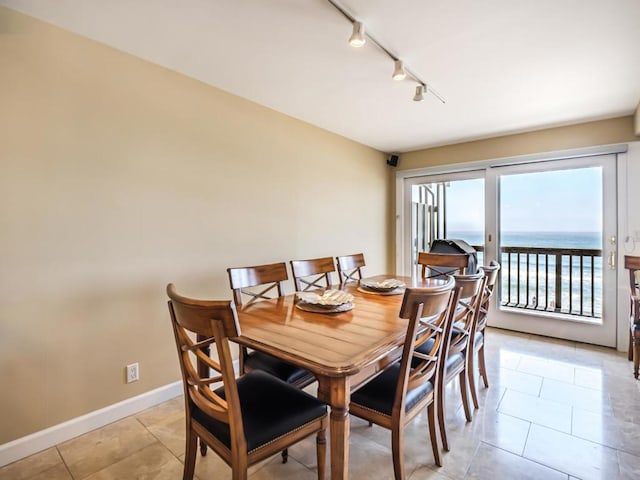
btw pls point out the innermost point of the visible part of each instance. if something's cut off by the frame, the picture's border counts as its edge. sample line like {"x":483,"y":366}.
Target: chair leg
{"x":441,"y":416}
{"x":482,"y":366}
{"x":464,"y":393}
{"x":431,"y":415}
{"x":285,"y":455}
{"x":321,"y":452}
{"x":472,"y":380}
{"x":630,"y":351}
{"x":191,"y":449}
{"x":203,"y":448}
{"x":636,"y":355}
{"x":239,"y":473}
{"x":397,"y":450}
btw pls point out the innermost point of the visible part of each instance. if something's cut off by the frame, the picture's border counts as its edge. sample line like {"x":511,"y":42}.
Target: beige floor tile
{"x":629,"y":466}
{"x":518,"y":381}
{"x":576,"y":396}
{"x":494,"y":463}
{"x":211,"y":466}
{"x":457,"y":461}
{"x":489,"y":398}
{"x":589,"y":377}
{"x":292,"y":470}
{"x":368,"y":459}
{"x":504,"y":358}
{"x":417,"y":450}
{"x":606,"y":430}
{"x":168,"y":411}
{"x":536,"y":410}
{"x":304,"y":452}
{"x":539,"y":365}
{"x":499,"y":430}
{"x":59,"y":472}
{"x":575,"y":456}
{"x":152,"y":462}
{"x":427,"y":473}
{"x":96,"y":450}
{"x":31,"y":466}
{"x":171,"y":435}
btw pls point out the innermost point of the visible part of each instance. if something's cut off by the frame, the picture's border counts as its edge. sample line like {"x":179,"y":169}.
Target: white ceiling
{"x":503,"y":66}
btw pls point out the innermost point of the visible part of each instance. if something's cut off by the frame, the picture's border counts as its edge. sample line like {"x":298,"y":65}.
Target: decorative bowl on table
{"x":331,"y":301}
{"x":388,"y":285}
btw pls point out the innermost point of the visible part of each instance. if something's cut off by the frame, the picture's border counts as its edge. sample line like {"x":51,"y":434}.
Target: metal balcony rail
{"x":558,"y":280}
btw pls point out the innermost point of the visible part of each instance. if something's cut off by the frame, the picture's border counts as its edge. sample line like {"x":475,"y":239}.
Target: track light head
{"x":420,"y":91}
{"x":357,"y":38}
{"x":398,"y":71}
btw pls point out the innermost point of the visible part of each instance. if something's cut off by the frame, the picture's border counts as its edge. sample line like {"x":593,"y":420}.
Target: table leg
{"x":335,"y":392}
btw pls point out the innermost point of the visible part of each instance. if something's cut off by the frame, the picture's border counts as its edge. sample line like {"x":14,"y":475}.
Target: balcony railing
{"x":555,"y":280}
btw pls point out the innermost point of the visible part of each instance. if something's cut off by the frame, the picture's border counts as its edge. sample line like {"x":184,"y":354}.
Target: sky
{"x":550,"y":201}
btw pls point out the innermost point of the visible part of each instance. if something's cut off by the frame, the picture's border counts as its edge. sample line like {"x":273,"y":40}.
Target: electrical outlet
{"x":133,"y":373}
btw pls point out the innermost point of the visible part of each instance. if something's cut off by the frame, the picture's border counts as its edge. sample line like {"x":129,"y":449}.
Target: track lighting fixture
{"x":398,"y":71}
{"x":357,"y":38}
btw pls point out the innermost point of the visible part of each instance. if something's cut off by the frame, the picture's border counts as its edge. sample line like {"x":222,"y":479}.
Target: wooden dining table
{"x":343,"y":350}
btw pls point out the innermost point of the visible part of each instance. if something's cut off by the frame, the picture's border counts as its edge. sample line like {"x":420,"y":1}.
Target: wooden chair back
{"x":243,"y":281}
{"x":431,"y":314}
{"x":212,"y":322}
{"x":350,"y":267}
{"x":491,"y":273}
{"x":468,"y":309}
{"x":632,"y":264}
{"x":438,"y":265}
{"x":313,"y":273}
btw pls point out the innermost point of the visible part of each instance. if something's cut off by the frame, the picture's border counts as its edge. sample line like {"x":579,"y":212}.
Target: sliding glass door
{"x":551,"y":225}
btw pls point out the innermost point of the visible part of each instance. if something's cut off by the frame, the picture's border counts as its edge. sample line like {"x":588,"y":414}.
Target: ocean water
{"x":581,"y":287}
{"x":536,"y":239}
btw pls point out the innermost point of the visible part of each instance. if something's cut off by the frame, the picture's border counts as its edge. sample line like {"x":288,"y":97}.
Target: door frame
{"x":621,"y":200}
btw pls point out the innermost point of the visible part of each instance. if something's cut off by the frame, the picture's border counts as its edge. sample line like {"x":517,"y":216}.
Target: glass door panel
{"x":443,"y":206}
{"x":555,"y":231}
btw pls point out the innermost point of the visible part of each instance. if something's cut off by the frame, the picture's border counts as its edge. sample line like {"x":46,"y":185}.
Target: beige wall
{"x":603,"y":132}
{"x":119,"y":176}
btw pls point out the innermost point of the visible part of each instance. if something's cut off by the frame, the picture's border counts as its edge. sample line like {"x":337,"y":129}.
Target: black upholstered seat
{"x":285,"y":371}
{"x":270,"y":408}
{"x":375,"y":394}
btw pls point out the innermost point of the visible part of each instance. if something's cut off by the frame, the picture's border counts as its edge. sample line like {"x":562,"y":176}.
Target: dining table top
{"x":325,"y":343}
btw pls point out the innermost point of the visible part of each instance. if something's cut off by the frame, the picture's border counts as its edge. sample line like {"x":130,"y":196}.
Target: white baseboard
{"x":38,"y":441}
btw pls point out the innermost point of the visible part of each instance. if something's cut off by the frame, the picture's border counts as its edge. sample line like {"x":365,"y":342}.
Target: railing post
{"x":558,"y":282}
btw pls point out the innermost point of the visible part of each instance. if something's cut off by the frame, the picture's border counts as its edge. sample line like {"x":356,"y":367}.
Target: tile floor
{"x":554,"y":410}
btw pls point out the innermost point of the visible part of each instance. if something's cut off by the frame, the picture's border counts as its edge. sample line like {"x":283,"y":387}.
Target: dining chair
{"x":312,"y":274}
{"x":437,"y":265}
{"x":633,"y":265}
{"x":245,"y":420}
{"x":491,"y":274}
{"x":399,"y":393}
{"x":456,"y":356}
{"x":252,"y":284}
{"x":350,"y":267}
